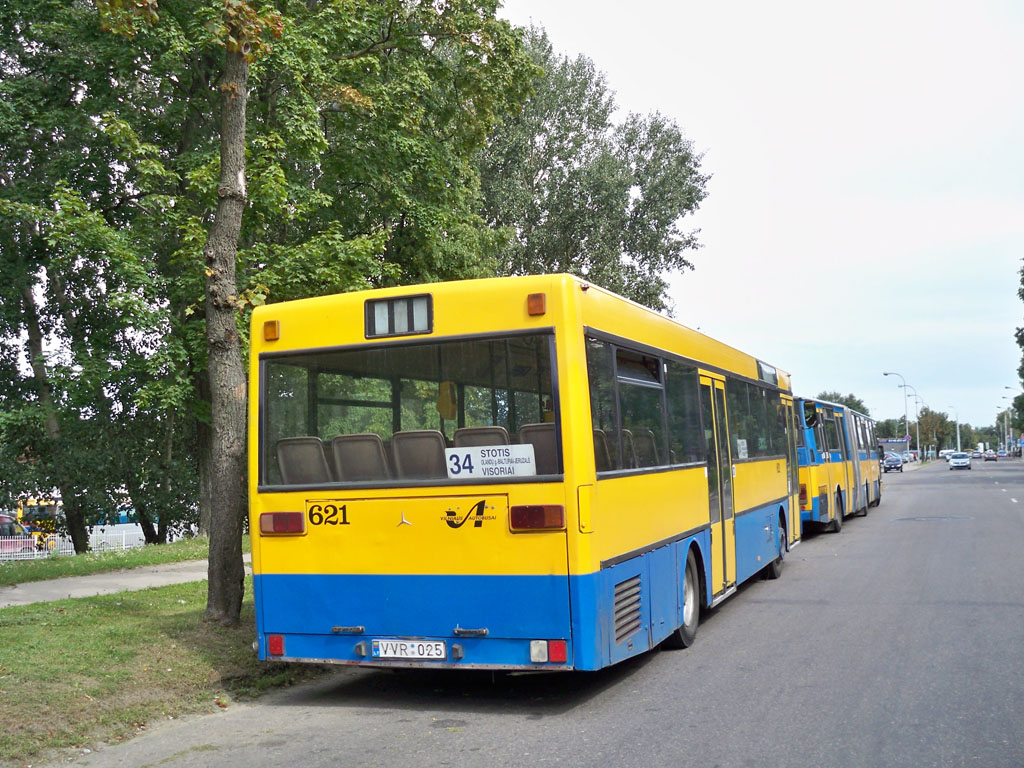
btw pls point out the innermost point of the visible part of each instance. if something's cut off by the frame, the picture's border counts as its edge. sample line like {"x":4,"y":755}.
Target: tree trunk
{"x":72,"y":513}
{"x":224,"y":354}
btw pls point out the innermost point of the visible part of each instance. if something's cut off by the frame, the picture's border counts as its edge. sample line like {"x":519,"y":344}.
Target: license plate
{"x":409,"y":649}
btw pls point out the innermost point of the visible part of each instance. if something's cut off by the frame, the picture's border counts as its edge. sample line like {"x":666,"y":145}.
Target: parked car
{"x":960,"y":461}
{"x":14,"y":539}
{"x":990,"y":455}
{"x":892,"y":463}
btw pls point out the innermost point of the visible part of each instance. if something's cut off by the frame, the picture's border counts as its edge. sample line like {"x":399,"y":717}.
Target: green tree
{"x":577,"y":193}
{"x":890,"y":428}
{"x":936,"y":428}
{"x":850,"y":401}
{"x":80,"y":311}
{"x":218,"y":154}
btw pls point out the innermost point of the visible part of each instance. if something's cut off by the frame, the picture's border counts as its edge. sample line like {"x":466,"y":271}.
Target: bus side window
{"x":682,"y":396}
{"x":602,"y":404}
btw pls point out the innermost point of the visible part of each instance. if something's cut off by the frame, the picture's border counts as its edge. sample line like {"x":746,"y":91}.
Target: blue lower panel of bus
{"x":318,"y":614}
{"x":615,"y":613}
{"x":756,"y":540}
{"x":812,"y":515}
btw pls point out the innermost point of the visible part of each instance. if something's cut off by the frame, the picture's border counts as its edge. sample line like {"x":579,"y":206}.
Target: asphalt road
{"x":897,"y":642}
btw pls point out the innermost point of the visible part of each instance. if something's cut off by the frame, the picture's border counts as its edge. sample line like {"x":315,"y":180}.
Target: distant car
{"x":892,"y":463}
{"x":960,"y":461}
{"x":14,"y":539}
{"x":975,"y":454}
{"x":1002,"y":454}
{"x":990,"y":455}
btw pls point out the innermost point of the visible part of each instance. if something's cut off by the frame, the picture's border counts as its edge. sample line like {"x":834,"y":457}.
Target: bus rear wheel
{"x":837,"y":522}
{"x":685,"y":634}
{"x":774,"y":569}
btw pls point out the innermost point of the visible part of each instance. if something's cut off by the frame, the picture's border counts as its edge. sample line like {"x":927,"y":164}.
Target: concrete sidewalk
{"x":106,"y":583}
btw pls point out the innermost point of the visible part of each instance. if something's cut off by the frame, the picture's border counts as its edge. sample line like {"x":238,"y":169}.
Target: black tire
{"x":684,"y":635}
{"x":837,"y":522}
{"x":774,"y":569}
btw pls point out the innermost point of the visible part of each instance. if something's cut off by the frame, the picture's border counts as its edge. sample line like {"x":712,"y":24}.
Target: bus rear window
{"x":384,"y":414}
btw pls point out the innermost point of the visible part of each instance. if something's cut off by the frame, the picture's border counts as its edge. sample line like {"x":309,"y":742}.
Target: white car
{"x":960,"y":461}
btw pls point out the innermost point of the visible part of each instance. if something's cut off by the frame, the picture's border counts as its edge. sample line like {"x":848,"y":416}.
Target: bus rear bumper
{"x":459,"y":653}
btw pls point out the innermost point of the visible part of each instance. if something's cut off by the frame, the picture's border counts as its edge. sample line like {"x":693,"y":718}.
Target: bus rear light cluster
{"x":803,"y":495}
{"x":275,"y":645}
{"x":549,"y":651}
{"x":537,"y":517}
{"x":282,"y":522}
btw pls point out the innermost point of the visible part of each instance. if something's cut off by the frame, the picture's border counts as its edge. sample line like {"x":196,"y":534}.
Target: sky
{"x":866,"y":207}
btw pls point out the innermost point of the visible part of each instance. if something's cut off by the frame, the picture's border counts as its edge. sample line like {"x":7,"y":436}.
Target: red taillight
{"x":282,"y":522}
{"x":558,"y":651}
{"x":275,"y":645}
{"x":537,"y":517}
{"x":803,"y":495}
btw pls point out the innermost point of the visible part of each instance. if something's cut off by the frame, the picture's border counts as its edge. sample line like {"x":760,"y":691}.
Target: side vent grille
{"x":627,"y":608}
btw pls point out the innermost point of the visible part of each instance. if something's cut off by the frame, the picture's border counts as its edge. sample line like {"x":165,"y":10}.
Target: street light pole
{"x":917,"y":420}
{"x":917,"y":416}
{"x":1012,"y":429}
{"x":906,"y":414}
{"x":957,"y":417}
{"x":1006,"y":425}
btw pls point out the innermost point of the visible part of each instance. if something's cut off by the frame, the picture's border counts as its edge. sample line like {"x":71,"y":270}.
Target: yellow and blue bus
{"x":510,"y":473}
{"x":838,"y":458}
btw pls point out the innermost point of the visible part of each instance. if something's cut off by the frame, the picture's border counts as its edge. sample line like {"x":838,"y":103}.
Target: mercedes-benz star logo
{"x":403,"y":522}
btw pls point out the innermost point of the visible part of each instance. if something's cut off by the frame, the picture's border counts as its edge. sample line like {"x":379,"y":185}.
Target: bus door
{"x":794,"y":472}
{"x":858,"y":498}
{"x":837,"y":461}
{"x":719,"y":471}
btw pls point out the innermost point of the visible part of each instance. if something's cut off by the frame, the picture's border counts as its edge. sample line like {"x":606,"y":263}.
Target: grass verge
{"x":23,"y":571}
{"x":76,"y":672}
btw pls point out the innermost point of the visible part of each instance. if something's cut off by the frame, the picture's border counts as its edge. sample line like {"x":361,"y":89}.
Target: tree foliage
{"x":361,"y":126}
{"x":81,"y":312}
{"x":578,"y":193}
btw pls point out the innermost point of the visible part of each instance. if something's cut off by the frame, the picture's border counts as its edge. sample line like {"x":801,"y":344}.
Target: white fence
{"x":24,"y":548}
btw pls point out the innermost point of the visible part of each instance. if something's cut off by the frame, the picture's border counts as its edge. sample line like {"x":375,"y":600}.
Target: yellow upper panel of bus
{"x":495,"y":304}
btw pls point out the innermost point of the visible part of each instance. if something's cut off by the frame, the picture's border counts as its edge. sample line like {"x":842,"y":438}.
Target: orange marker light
{"x":536,"y":304}
{"x":272,"y":330}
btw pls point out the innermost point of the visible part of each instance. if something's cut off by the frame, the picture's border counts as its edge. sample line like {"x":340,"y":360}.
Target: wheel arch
{"x":702,"y":588}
